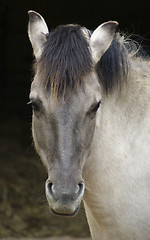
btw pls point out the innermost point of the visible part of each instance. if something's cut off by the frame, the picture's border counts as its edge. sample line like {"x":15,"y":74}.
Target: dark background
{"x":22,"y":175}
{"x":15,"y":49}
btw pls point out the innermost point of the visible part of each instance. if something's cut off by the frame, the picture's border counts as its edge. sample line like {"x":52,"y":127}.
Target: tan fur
{"x":117,"y":174}
{"x":104,"y":151}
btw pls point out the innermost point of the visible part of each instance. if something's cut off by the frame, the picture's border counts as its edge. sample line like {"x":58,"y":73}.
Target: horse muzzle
{"x":64,"y":201}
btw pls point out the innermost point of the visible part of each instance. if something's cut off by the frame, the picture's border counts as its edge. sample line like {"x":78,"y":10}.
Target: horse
{"x":91,"y":125}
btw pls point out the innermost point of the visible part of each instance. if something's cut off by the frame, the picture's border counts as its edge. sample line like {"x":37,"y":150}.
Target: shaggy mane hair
{"x":66,"y":59}
{"x":113,"y":66}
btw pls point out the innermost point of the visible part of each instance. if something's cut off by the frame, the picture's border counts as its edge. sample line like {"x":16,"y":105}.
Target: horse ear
{"x":37,"y":30}
{"x":101,"y":39}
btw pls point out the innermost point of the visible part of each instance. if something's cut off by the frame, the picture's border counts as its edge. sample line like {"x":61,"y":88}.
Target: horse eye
{"x":35,"y":105}
{"x":93,"y":109}
{"x":96,"y":107}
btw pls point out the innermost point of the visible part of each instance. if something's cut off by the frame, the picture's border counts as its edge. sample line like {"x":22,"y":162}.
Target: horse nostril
{"x":50,"y":189}
{"x":81,"y":189}
{"x":63,"y":194}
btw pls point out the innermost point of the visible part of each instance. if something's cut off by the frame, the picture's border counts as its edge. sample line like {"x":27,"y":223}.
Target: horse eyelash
{"x":34,"y":105}
{"x":29,"y":103}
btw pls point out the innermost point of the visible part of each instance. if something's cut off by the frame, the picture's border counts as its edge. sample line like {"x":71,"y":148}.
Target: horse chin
{"x":65,"y":214}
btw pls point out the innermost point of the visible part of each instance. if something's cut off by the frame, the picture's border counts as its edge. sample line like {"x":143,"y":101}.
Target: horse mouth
{"x":65,"y":214}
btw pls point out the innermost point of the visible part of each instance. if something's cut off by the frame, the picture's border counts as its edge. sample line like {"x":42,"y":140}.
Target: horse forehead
{"x":83,"y":95}
{"x":70,"y":108}
{"x":73,"y":100}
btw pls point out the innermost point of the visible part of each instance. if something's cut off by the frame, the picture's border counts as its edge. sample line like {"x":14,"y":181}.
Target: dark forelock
{"x":66,"y":59}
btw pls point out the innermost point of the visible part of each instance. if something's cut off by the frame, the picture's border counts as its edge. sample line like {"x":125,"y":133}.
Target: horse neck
{"x":120,"y":115}
{"x":120,"y":121}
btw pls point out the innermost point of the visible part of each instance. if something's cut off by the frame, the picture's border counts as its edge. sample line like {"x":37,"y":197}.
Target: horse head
{"x":65,"y":97}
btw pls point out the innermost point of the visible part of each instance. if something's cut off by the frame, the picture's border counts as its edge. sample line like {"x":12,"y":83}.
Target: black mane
{"x":113,"y":66}
{"x":66,"y":58}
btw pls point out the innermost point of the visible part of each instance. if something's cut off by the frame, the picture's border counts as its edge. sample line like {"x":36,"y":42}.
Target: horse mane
{"x":66,"y":59}
{"x":114,"y":66}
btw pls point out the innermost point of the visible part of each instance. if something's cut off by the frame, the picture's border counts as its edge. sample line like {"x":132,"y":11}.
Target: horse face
{"x":63,"y":130}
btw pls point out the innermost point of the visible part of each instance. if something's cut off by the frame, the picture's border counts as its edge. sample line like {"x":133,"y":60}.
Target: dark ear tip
{"x":33,"y":15}
{"x":110,"y":26}
{"x":114,"y":23}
